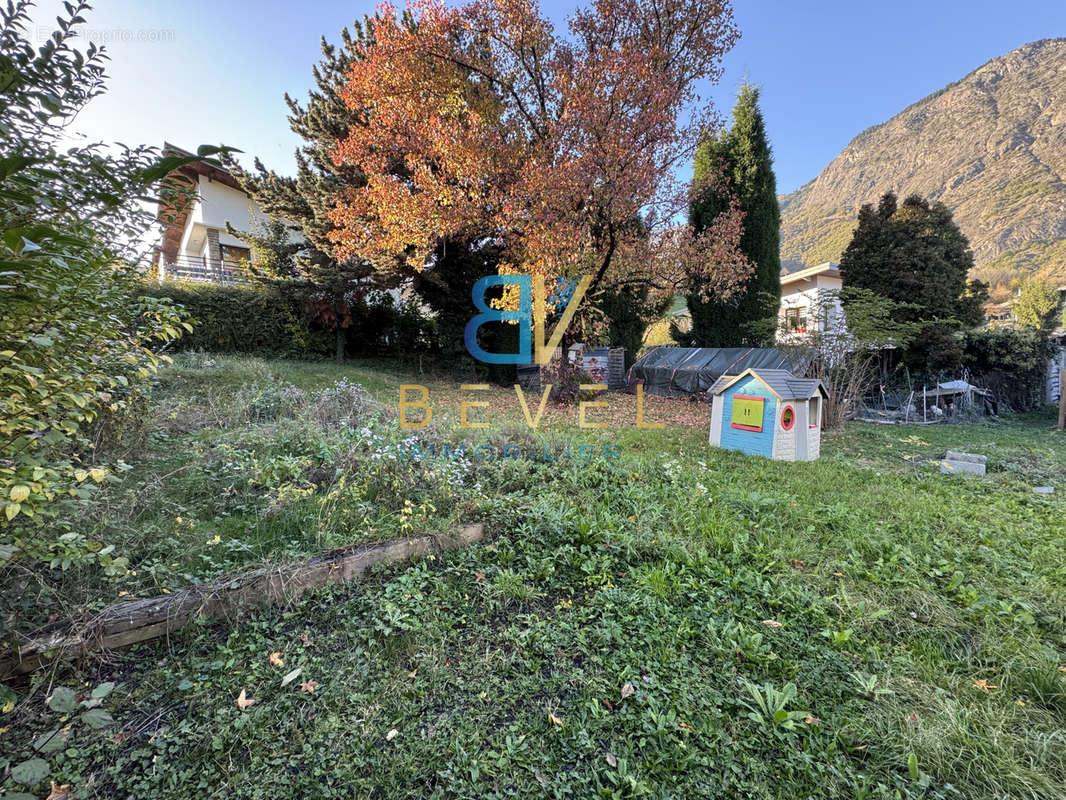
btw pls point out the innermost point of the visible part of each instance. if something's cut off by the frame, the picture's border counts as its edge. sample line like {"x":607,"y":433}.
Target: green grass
{"x":679,"y":622}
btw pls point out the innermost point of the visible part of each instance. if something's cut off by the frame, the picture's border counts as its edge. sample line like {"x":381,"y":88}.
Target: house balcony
{"x":192,"y":268}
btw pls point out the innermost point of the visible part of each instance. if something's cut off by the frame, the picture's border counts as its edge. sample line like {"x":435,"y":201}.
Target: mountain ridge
{"x":991,"y":146}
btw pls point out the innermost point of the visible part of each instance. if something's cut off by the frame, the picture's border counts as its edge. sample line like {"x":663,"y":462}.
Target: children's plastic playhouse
{"x":768,"y":412}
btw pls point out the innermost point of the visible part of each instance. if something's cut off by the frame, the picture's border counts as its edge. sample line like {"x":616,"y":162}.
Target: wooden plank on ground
{"x":133,"y":621}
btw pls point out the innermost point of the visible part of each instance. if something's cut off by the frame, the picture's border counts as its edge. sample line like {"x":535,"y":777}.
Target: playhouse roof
{"x":779,"y":381}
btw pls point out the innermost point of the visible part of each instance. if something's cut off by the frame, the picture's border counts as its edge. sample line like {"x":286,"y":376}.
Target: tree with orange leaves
{"x":481,"y":121}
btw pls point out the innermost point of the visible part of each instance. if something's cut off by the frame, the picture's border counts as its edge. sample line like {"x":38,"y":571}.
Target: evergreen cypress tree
{"x":743,"y":152}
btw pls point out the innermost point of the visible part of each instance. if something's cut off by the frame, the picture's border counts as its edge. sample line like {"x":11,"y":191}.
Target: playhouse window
{"x":788,"y":417}
{"x":747,"y":413}
{"x":814,"y":412}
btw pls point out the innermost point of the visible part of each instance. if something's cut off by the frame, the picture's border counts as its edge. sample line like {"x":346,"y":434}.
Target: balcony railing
{"x":184,"y":268}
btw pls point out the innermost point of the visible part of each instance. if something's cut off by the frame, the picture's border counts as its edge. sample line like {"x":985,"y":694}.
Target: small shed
{"x":768,"y":412}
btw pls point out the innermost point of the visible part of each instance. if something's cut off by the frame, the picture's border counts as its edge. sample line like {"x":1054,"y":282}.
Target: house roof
{"x":781,"y":382}
{"x":174,"y":214}
{"x":209,"y":167}
{"x":830,"y":268}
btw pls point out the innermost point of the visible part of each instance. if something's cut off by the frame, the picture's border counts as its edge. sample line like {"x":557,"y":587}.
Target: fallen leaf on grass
{"x":627,"y":690}
{"x":275,"y":659}
{"x":981,"y":683}
{"x":412,"y":673}
{"x":685,"y":726}
{"x":810,"y":719}
{"x":771,"y":623}
{"x":554,"y":719}
{"x":60,"y":792}
{"x":303,"y":637}
{"x":611,"y":760}
{"x":309,"y":686}
{"x":290,"y":677}
{"x":243,"y":701}
{"x":391,"y":735}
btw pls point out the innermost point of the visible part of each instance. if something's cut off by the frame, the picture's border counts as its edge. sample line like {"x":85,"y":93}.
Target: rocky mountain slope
{"x":992,"y":147}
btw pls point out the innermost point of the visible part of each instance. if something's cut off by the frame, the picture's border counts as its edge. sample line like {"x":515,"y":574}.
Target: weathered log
{"x":133,"y":621}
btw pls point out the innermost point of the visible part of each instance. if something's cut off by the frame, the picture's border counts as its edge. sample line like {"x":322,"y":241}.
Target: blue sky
{"x":215,"y":72}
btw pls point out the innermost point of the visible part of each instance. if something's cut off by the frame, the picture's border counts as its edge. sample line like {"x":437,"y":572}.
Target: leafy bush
{"x":258,"y":319}
{"x":271,"y":319}
{"x":1012,"y":363}
{"x":76,"y":340}
{"x":380,"y":325}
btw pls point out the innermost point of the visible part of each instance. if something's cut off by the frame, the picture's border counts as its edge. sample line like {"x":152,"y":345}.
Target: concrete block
{"x":954,"y":455}
{"x":951,"y":466}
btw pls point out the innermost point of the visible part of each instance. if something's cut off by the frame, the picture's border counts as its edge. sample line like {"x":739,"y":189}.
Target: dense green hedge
{"x":1012,"y":363}
{"x":265,"y":320}
{"x":243,"y":319}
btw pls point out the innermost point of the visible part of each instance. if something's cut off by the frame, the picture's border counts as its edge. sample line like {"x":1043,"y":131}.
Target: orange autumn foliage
{"x":482,"y":122}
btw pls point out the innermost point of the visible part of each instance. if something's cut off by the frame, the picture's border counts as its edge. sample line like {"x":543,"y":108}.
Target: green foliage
{"x":1041,"y":259}
{"x":70,"y":721}
{"x":915,"y":254}
{"x":381,"y":326}
{"x":628,"y":310}
{"x":743,"y":153}
{"x":446,"y":290}
{"x":327,"y":287}
{"x":666,"y":608}
{"x":1012,"y":363}
{"x":267,"y":319}
{"x":846,"y":359}
{"x":77,"y":342}
{"x":1036,"y":304}
{"x":260,"y":319}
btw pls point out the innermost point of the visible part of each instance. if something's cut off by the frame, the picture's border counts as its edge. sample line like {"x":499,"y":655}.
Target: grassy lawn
{"x":676,"y":622}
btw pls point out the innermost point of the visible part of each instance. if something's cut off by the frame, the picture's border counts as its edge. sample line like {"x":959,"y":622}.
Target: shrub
{"x":380,"y":325}
{"x":76,"y":341}
{"x":343,"y":402}
{"x":257,"y":319}
{"x":1011,"y":363}
{"x":270,"y":319}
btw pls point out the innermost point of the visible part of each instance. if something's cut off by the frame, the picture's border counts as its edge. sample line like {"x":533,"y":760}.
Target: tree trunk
{"x":339,"y":353}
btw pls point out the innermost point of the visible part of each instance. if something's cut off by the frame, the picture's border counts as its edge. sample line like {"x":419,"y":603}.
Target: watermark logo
{"x":534,"y":347}
{"x":529,"y":316}
{"x":106,"y":36}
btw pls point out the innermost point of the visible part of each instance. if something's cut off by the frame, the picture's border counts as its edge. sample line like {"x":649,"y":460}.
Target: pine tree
{"x":915,"y":254}
{"x":743,"y":153}
{"x":328,"y":288}
{"x":332,"y":289}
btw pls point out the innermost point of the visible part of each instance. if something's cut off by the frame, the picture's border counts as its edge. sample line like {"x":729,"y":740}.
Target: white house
{"x":195,"y":244}
{"x":810,"y":301}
